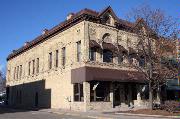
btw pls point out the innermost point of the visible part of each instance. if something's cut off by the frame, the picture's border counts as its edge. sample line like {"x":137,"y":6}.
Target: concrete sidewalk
{"x":107,"y":115}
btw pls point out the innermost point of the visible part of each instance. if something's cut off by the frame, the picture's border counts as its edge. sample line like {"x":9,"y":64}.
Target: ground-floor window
{"x":100,"y":91}
{"x":78,"y":92}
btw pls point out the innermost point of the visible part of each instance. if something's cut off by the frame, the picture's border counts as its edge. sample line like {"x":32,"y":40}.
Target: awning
{"x":109,"y":46}
{"x":132,"y":51}
{"x":93,"y":43}
{"x":83,"y":74}
{"x":122,"y":49}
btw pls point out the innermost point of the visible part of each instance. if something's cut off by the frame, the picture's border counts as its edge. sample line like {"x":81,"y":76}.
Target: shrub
{"x":171,"y":106}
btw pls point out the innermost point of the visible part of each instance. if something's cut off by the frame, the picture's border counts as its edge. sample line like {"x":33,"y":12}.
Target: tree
{"x":156,"y":33}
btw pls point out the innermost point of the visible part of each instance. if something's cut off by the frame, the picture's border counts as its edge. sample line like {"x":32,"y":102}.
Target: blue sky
{"x":23,"y":20}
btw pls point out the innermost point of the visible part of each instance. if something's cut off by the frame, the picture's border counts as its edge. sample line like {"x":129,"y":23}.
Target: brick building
{"x":81,"y":64}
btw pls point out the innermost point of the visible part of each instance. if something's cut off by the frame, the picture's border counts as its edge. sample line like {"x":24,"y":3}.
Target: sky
{"x":23,"y":20}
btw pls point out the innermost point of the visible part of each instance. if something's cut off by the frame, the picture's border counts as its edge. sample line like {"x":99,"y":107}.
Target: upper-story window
{"x":78,"y":51}
{"x":57,"y":58}
{"x":33,"y":70}
{"x":92,"y":54}
{"x":37,"y":65}
{"x":17,"y":76}
{"x":20,"y":74}
{"x":63,"y":56}
{"x":29,"y":68}
{"x":107,"y":55}
{"x":14,"y":72}
{"x":142,"y":61}
{"x":120,"y":59}
{"x":50,"y":60}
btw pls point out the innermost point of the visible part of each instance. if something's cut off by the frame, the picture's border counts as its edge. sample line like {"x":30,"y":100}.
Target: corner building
{"x":84,"y":63}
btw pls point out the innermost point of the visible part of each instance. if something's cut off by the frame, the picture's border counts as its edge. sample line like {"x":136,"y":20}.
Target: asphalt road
{"x":6,"y":113}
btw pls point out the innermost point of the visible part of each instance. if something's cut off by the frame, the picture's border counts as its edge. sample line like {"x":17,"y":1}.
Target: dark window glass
{"x":37,"y":65}
{"x":50,"y":60}
{"x":120,"y":59}
{"x":17,"y":73}
{"x":57,"y":58}
{"x":20,"y":71}
{"x":100,"y":91}
{"x":141,"y":61}
{"x":33,"y":66}
{"x":92,"y":54}
{"x":63,"y":56}
{"x":130,"y":59}
{"x":79,"y":51}
{"x":107,"y":56}
{"x":78,"y":92}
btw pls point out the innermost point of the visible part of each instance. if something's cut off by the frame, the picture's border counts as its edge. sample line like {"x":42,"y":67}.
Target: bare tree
{"x":156,"y":33}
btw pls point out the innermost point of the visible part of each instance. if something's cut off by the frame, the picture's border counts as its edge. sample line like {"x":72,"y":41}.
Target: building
{"x":81,"y":64}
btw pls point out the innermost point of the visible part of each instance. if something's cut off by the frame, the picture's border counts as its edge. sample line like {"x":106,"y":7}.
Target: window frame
{"x":37,"y":65}
{"x":105,"y":56}
{"x":78,"y":92}
{"x":50,"y":60}
{"x":92,"y":54}
{"x":63,"y":56}
{"x":78,"y":51}
{"x":57,"y":59}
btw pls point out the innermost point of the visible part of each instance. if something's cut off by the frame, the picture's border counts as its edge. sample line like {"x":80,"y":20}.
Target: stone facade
{"x":53,"y":87}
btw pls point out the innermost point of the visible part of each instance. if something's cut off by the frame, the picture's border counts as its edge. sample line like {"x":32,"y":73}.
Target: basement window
{"x":78,"y":92}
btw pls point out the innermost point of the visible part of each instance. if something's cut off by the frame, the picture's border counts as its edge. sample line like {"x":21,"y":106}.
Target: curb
{"x":145,"y":115}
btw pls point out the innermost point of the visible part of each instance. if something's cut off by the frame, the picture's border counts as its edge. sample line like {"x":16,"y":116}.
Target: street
{"x":6,"y":113}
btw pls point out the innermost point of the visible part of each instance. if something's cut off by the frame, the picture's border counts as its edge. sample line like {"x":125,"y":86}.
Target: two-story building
{"x":84,"y":63}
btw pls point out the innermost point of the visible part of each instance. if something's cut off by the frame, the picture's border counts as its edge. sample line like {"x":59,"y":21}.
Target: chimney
{"x":26,"y":43}
{"x":45,"y":31}
{"x":69,"y":16}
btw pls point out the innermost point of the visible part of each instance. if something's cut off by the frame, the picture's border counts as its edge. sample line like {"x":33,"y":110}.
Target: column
{"x":111,"y":94}
{"x":130,"y":96}
{"x":86,"y":92}
{"x":138,"y":94}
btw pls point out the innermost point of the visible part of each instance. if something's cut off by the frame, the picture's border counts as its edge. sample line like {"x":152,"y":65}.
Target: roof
{"x":85,"y":14}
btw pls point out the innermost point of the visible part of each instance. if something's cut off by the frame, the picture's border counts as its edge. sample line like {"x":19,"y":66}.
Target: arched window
{"x":106,"y":37}
{"x":107,"y":55}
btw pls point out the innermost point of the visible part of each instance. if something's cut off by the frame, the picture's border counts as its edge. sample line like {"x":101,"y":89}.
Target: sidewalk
{"x":105,"y":115}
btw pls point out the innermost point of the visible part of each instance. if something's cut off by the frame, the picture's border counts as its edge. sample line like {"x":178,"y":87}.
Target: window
{"x":99,"y":91}
{"x":29,"y":69}
{"x":57,"y":55}
{"x":50,"y":60}
{"x":130,"y":59}
{"x":63,"y":56}
{"x":14,"y":72}
{"x":107,"y":56}
{"x":33,"y":66}
{"x":78,"y":92}
{"x":37,"y":65}
{"x":79,"y":51}
{"x":20,"y":71}
{"x":120,"y":59}
{"x":17,"y":76}
{"x":92,"y":54}
{"x":141,"y":61}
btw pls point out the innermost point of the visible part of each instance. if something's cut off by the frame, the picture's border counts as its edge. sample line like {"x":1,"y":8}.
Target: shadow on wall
{"x":31,"y":95}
